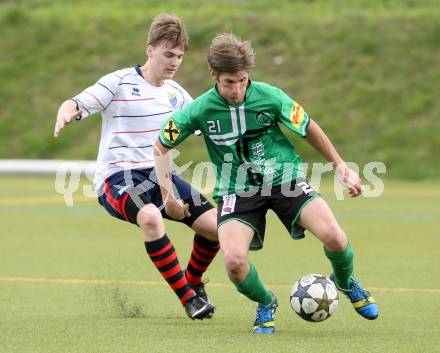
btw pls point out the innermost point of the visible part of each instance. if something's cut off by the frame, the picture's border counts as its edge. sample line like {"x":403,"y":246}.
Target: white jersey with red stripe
{"x":132,"y":113}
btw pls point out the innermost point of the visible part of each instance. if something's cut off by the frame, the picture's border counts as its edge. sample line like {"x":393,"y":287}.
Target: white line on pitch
{"x":160,"y":283}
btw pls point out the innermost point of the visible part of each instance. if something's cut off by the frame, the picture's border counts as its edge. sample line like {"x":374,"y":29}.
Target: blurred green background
{"x":367,"y":71}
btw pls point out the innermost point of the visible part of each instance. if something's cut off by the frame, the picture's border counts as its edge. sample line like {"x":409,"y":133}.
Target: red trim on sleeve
{"x":132,"y":100}
{"x":134,"y":132}
{"x":99,"y":102}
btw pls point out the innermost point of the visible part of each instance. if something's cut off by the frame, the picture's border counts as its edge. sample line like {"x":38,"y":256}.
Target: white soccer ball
{"x":314,"y":297}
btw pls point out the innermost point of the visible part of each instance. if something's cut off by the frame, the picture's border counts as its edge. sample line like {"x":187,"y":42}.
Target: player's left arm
{"x":319,"y":140}
{"x":174,"y":131}
{"x":293,"y":116}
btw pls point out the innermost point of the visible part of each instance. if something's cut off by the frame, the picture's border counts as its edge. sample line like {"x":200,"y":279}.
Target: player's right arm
{"x":93,"y":99}
{"x":67,"y":112}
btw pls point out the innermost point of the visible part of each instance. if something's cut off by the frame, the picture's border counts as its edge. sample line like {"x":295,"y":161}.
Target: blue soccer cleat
{"x":362,"y":301}
{"x":264,"y":322}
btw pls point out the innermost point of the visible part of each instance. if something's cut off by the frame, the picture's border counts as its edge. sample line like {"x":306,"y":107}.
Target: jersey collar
{"x":138,"y":70}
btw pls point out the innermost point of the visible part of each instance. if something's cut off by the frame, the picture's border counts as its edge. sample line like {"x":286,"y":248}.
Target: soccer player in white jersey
{"x":134,"y":102}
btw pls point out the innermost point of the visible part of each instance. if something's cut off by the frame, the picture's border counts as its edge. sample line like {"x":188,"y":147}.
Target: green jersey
{"x":244,"y":141}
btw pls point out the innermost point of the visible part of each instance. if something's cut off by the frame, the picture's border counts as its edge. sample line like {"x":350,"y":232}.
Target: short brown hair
{"x":229,"y":53}
{"x":169,"y":30}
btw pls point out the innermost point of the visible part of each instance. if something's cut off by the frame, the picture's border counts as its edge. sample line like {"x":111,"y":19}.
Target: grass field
{"x":367,"y":66}
{"x":74,"y":280}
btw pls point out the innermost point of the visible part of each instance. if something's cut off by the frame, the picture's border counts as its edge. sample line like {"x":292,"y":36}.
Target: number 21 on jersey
{"x":214,"y":126}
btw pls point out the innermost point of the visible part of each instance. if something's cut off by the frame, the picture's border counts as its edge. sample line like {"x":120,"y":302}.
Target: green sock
{"x":253,"y":288}
{"x":342,"y":263}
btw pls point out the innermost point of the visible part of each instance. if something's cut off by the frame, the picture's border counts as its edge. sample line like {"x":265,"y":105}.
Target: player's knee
{"x":150,"y":220}
{"x":334,"y":238}
{"x":235,"y":264}
{"x":206,"y":225}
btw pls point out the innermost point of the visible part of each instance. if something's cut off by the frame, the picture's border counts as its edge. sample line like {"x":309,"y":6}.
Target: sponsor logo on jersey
{"x":228,"y":204}
{"x":264,"y":118}
{"x":172,"y":97}
{"x":170,"y":131}
{"x":135,"y":92}
{"x":297,"y":115}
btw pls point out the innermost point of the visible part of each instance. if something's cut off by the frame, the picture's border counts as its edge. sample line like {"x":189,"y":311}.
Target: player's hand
{"x":64,"y":118}
{"x":177,"y":209}
{"x":350,"y":179}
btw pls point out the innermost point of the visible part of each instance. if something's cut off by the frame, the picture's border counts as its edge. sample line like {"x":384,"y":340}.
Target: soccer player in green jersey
{"x":258,"y":169}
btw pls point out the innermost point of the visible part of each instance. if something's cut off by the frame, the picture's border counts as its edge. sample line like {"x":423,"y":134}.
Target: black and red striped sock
{"x":164,"y":257}
{"x":203,"y":253}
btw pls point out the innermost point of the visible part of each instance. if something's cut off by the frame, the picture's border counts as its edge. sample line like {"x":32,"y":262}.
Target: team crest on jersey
{"x":264,"y":118}
{"x":172,"y":97}
{"x":171,"y":132}
{"x":135,"y":92}
{"x":297,"y":115}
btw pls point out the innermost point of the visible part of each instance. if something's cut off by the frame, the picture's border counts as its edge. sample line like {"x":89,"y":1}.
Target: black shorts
{"x":252,"y":210}
{"x":126,"y":192}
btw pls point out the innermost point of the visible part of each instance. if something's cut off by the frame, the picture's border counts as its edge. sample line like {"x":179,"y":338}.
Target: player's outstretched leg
{"x":361,"y":299}
{"x":265,"y":318}
{"x":342,"y":263}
